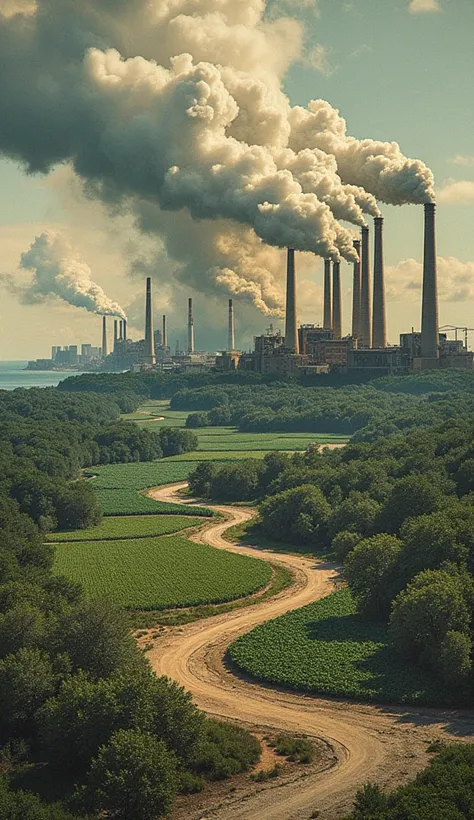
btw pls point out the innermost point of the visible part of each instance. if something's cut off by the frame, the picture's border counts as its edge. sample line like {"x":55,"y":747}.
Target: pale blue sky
{"x":394,"y":75}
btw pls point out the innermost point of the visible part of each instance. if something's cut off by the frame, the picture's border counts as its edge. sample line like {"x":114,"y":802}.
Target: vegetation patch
{"x":327,"y":648}
{"x":158,"y":573}
{"x":118,"y":527}
{"x":131,"y":502}
{"x":139,"y":475}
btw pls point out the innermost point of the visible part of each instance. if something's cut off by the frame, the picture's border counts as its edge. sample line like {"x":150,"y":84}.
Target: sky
{"x":396,"y":70}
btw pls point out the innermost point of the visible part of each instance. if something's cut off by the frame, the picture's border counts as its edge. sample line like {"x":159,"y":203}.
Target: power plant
{"x":310,"y":348}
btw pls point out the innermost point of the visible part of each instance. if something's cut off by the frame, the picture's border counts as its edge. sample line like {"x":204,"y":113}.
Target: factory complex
{"x":305,"y":349}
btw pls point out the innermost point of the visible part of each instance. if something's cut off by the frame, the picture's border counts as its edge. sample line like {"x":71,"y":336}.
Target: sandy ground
{"x":383,"y":744}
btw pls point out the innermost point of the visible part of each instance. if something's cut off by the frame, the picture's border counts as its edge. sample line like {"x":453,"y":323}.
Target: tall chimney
{"x":365,"y":329}
{"x":429,"y":312}
{"x":125,"y":330}
{"x":336,"y":300}
{"x":149,"y":357}
{"x":115,"y":334}
{"x":190,"y":326}
{"x":379,"y":317}
{"x":291,"y":331}
{"x":327,"y":323}
{"x":356,"y":293}
{"x":121,"y":330}
{"x":164,"y":339}
{"x":104,"y":338}
{"x":231,"y":334}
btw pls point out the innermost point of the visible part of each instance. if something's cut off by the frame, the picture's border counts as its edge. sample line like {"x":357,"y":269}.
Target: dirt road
{"x":383,"y":744}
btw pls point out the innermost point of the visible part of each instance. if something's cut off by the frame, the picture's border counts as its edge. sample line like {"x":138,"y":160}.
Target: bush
{"x":134,"y":777}
{"x":225,"y":750}
{"x":369,"y":569}
{"x":343,"y":543}
{"x":299,"y":515}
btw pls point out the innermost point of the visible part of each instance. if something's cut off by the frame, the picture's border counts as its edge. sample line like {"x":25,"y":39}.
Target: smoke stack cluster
{"x":356,"y":293}
{"x":327,"y":322}
{"x":364,"y":328}
{"x":149,"y":357}
{"x":336,"y":300}
{"x":164,"y":340}
{"x":190,"y":326}
{"x":429,"y":311}
{"x":104,"y":338}
{"x":231,"y":332}
{"x":291,"y":330}
{"x":379,"y":319}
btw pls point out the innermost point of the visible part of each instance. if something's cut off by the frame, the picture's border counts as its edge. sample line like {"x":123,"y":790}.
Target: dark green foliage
{"x":225,"y":750}
{"x":443,"y":791}
{"x":195,"y":420}
{"x":21,"y":805}
{"x":343,"y":543}
{"x":134,"y":777}
{"x":175,"y":441}
{"x":297,"y":749}
{"x":369,"y":568}
{"x":299,"y":515}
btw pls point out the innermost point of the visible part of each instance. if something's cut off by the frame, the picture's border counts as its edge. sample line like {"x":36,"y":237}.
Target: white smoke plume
{"x":178,"y":105}
{"x":57,"y":272}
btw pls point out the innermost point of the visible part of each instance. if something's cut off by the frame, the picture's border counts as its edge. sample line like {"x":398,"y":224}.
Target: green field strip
{"x":119,"y":527}
{"x":159,"y":573}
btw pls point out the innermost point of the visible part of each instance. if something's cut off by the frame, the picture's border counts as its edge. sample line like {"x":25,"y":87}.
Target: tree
{"x":300,"y":514}
{"x":195,"y":420}
{"x":435,"y":603}
{"x":411,"y":496}
{"x":369,"y":569}
{"x":201,"y":478}
{"x":134,"y":777}
{"x":428,"y":541}
{"x":27,"y":679}
{"x":455,"y":659}
{"x":356,"y":513}
{"x":343,"y":543}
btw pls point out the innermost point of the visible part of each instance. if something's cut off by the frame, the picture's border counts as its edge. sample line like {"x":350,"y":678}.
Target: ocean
{"x":13,"y":375}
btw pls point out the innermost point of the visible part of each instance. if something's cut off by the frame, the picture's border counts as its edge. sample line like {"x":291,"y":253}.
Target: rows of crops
{"x":327,"y":648}
{"x":156,"y":573}
{"x":137,"y":475}
{"x":131,"y":502}
{"x":129,"y":526}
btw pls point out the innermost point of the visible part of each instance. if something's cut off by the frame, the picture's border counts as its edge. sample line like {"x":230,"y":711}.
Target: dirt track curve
{"x":370,"y":742}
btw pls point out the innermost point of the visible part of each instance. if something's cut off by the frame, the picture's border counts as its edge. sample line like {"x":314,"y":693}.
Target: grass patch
{"x":158,"y":573}
{"x":139,"y":475}
{"x":121,"y":527}
{"x":327,"y":648}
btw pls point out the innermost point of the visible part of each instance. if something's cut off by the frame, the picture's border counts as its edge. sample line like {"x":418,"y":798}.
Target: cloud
{"x":424,"y":6}
{"x":11,"y":7}
{"x":455,"y":280}
{"x":462,"y":159}
{"x":319,"y":59}
{"x":456,"y":192}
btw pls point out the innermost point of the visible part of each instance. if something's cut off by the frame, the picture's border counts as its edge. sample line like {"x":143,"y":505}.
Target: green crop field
{"x":327,"y":648}
{"x":219,"y":457}
{"x":131,"y":502}
{"x":158,"y":573}
{"x":135,"y":526}
{"x":138,"y":475}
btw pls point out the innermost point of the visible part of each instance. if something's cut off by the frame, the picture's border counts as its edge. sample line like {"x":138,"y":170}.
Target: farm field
{"x":131,"y":502}
{"x":327,"y":648}
{"x":157,"y":573}
{"x":139,"y":526}
{"x":138,"y":475}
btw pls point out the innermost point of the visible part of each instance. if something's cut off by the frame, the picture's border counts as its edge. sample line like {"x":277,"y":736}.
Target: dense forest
{"x":399,"y":512}
{"x":46,"y":437}
{"x":83,"y":720}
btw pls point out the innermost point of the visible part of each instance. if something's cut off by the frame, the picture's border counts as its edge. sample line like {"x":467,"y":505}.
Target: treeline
{"x":46,"y":437}
{"x":443,"y":791}
{"x":82,"y":716}
{"x":400,"y":514}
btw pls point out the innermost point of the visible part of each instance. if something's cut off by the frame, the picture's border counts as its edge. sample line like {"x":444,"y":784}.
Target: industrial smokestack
{"x":379,"y":318}
{"x":327,"y":323}
{"x":231,"y":334}
{"x":190,"y":326}
{"x":104,"y":338}
{"x":365,"y":339}
{"x":164,"y":340}
{"x":356,"y":293}
{"x":120,"y":330}
{"x":125,"y":330}
{"x":149,"y":357}
{"x":336,"y":300}
{"x":115,"y":334}
{"x":291,"y":330}
{"x":429,"y":312}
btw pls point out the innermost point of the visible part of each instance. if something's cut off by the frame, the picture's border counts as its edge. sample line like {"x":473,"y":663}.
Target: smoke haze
{"x":174,"y":111}
{"x":57,"y":272}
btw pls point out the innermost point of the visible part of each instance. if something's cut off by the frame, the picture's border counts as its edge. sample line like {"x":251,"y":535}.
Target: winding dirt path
{"x":369,"y":742}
